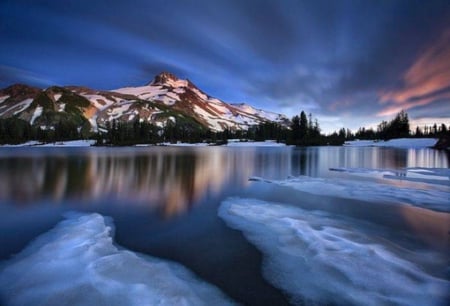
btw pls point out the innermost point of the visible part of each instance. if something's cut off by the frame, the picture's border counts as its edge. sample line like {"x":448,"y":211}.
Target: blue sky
{"x":350,"y":63}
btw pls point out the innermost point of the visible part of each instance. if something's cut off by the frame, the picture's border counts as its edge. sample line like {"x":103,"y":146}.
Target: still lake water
{"x":197,"y":207}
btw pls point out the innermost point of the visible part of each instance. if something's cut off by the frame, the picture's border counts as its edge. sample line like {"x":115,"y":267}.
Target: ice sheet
{"x":436,"y":176}
{"x":433,"y":198}
{"x":76,"y":263}
{"x":444,"y":172}
{"x":394,"y":143}
{"x":315,"y":257}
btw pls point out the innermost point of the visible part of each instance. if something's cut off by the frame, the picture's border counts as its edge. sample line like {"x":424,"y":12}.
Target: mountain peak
{"x":19,"y":90}
{"x":164,"y":78}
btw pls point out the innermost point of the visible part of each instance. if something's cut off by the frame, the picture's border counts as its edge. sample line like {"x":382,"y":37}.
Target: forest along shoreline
{"x":302,"y":130}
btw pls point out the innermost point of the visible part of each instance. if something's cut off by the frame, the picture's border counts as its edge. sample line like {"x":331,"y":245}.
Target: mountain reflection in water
{"x":168,"y":179}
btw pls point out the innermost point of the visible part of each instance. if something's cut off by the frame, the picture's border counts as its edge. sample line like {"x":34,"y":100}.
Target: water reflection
{"x":431,"y":226}
{"x":425,"y":158}
{"x":174,"y":179}
{"x":166,"y":178}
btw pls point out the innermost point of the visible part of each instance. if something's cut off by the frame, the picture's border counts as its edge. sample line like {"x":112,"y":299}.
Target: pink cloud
{"x":425,"y":81}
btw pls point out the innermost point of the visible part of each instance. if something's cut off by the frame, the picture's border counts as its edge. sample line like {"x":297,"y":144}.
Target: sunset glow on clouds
{"x":427,"y":80}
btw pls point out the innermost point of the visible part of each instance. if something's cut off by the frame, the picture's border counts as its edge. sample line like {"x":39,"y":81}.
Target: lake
{"x":251,"y":225}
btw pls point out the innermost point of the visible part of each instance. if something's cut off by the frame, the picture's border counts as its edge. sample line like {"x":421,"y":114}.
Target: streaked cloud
{"x":17,"y":75}
{"x":330,"y":58}
{"x":426,"y":81}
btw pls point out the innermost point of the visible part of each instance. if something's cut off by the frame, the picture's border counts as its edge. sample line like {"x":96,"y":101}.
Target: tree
{"x":303,"y":126}
{"x":396,"y":128}
{"x":399,"y":127}
{"x":418,"y":132}
{"x":443,"y":129}
{"x":295,"y":127}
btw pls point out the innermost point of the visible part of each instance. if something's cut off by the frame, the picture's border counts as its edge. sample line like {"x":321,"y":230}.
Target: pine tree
{"x":295,"y":127}
{"x":303,"y":126}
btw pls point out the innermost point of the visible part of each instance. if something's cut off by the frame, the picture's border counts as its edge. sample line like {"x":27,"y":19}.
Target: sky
{"x":349,"y":63}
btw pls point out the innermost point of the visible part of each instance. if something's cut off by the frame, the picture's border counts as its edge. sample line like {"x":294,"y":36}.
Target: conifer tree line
{"x":15,"y":131}
{"x":304,"y":130}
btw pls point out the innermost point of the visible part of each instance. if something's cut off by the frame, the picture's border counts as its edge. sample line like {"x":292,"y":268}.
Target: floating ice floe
{"x":436,"y":176}
{"x":317,"y":258}
{"x":433,"y":198}
{"x":367,"y":170}
{"x":76,"y":263}
{"x":394,"y":143}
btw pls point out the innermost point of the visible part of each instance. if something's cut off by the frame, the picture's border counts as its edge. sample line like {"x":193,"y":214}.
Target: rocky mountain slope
{"x":165,"y":99}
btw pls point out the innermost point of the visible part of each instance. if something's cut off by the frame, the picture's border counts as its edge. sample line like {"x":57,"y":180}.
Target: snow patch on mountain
{"x":179,"y":90}
{"x":23,"y":105}
{"x":99,"y":102}
{"x":36,"y":114}
{"x":199,"y":94}
{"x":116,"y":112}
{"x":259,"y":112}
{"x":56,"y":97}
{"x":143,"y":92}
{"x":3,"y":99}
{"x":16,"y":108}
{"x":176,"y":83}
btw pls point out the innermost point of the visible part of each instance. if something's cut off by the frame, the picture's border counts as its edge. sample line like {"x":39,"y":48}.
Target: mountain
{"x":165,"y":99}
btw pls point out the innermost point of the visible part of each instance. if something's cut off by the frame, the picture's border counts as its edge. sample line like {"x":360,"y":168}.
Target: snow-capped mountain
{"x":164,"y":99}
{"x":185,"y":97}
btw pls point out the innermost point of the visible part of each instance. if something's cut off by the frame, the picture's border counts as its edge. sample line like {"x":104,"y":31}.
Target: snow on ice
{"x":372,"y":191}
{"x":315,"y":257}
{"x":76,"y":263}
{"x":395,"y":143}
{"x":436,"y":176}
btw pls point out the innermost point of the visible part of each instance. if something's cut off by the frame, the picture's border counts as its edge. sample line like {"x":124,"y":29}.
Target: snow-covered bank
{"x":396,"y":143}
{"x":87,"y":143}
{"x":230,"y":143}
{"x":184,"y":144}
{"x":267,"y":143}
{"x":70,"y":143}
{"x":318,"y":257}
{"x":76,"y":263}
